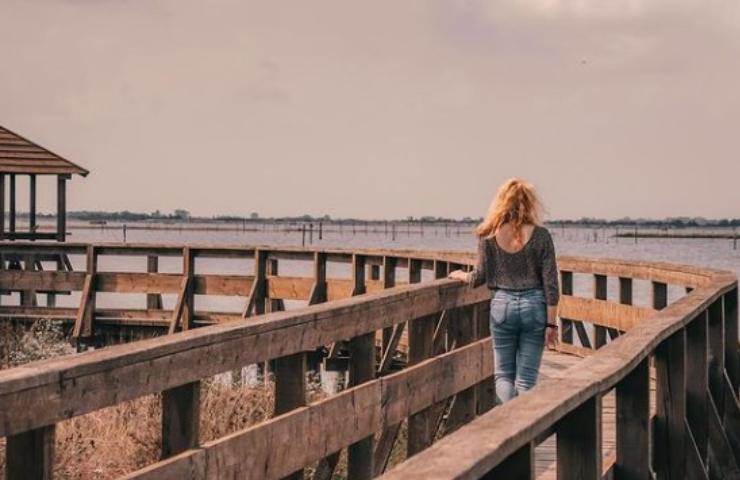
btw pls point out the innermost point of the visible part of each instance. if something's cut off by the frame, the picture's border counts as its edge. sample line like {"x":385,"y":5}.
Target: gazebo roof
{"x":19,"y":155}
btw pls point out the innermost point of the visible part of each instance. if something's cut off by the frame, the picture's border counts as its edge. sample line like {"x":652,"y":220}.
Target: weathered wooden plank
{"x":633,"y":425}
{"x":659,"y":295}
{"x":180,"y":418}
{"x":600,"y":294}
{"x":697,"y":382}
{"x":669,"y":441}
{"x":579,"y":442}
{"x":30,"y":455}
{"x":732,"y":361}
{"x":517,"y":466}
{"x":716,"y":353}
{"x":153,"y":300}
{"x":603,"y":313}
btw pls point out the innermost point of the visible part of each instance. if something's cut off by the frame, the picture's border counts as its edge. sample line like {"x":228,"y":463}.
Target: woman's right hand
{"x":459,"y":275}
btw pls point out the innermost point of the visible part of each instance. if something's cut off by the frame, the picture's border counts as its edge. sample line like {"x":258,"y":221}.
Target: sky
{"x":381,"y":109}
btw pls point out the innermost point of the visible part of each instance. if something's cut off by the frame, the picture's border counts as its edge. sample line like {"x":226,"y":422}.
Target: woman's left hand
{"x":459,"y":275}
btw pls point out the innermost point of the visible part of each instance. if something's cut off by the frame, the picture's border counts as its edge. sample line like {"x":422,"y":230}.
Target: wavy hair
{"x":516,"y":203}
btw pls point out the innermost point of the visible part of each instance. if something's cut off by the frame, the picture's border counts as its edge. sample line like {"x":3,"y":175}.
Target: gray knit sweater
{"x":533,"y":266}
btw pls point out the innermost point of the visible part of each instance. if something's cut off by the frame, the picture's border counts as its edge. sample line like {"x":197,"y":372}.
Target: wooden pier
{"x":649,"y":389}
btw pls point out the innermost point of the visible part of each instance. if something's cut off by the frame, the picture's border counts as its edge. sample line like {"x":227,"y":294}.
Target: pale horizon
{"x":381,"y":110}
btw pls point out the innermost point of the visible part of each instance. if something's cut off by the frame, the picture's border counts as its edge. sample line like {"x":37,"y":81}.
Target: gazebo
{"x":20,"y":156}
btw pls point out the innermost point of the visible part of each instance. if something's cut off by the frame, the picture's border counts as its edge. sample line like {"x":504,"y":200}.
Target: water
{"x":715,"y":253}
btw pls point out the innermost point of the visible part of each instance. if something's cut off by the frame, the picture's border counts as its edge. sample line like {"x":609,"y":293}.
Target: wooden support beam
{"x":2,"y":206}
{"x":486,"y":390}
{"x":362,"y":369}
{"x":86,"y":312}
{"x":61,"y":208}
{"x":30,"y":455}
{"x":659,"y":295}
{"x":517,"y":466}
{"x":180,"y":418}
{"x":567,"y":325}
{"x":732,"y":362}
{"x":389,"y":281}
{"x":669,"y":442}
{"x":258,"y":293}
{"x":579,"y":442}
{"x":716,"y":353}
{"x":177,"y":312}
{"x":697,"y":382}
{"x":153,"y":300}
{"x":386,"y":360}
{"x":11,"y":206}
{"x":188,"y":270}
{"x":600,"y":293}
{"x":633,"y":424}
{"x":290,"y":382}
{"x":32,"y":203}
{"x":463,"y":332}
{"x":28,"y":296}
{"x":421,"y":426}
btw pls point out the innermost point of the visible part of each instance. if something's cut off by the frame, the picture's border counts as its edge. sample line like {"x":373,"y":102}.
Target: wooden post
{"x":62,"y":207}
{"x":697,"y":382}
{"x":660,"y":295}
{"x":732,"y":363}
{"x":600,"y":293}
{"x":579,"y":442}
{"x":290,"y":371}
{"x":362,"y":369}
{"x":2,"y":206}
{"x":633,"y":424}
{"x":180,"y":418}
{"x":566,"y":288}
{"x":486,"y":394}
{"x":421,"y":426}
{"x":462,"y":332}
{"x":517,"y":466}
{"x":716,"y":356}
{"x":153,"y":300}
{"x":669,"y":441}
{"x":30,"y":455}
{"x":32,"y":203}
{"x":389,"y":281}
{"x":12,"y":199}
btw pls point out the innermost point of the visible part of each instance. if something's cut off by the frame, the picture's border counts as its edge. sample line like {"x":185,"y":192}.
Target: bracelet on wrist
{"x":552,"y":325}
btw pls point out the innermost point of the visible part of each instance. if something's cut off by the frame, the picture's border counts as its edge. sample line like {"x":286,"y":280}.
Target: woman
{"x":516,"y":260}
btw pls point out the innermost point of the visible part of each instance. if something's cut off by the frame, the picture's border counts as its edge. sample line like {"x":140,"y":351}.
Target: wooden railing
{"x":448,"y":355}
{"x":689,"y":348}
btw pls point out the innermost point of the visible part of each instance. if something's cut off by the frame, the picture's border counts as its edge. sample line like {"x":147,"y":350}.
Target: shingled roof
{"x":22,"y":156}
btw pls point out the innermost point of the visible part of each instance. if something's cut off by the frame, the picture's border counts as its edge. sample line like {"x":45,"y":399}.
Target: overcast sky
{"x":382,"y":108}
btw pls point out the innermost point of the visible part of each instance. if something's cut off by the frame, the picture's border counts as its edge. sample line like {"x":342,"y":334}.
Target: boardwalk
{"x":673,"y":363}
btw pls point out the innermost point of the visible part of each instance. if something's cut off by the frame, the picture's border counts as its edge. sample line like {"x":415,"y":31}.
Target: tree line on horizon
{"x":97,"y":216}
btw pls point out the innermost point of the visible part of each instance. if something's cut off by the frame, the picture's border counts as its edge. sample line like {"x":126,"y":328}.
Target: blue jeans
{"x":518,"y":319}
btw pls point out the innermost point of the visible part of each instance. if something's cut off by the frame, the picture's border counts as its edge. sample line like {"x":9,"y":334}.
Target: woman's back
{"x":531,"y":265}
